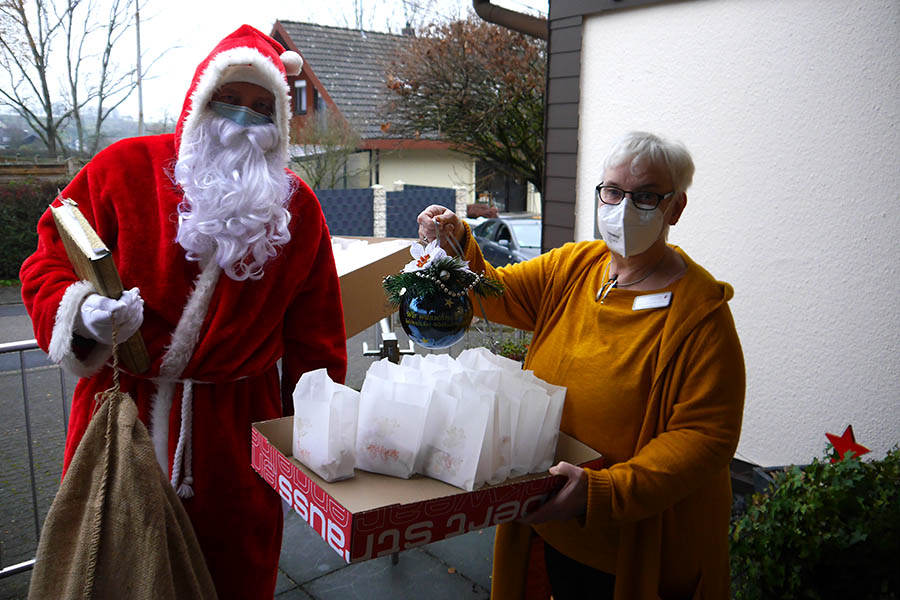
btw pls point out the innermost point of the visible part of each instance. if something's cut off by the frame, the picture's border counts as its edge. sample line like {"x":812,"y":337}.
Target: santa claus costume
{"x":214,"y":339}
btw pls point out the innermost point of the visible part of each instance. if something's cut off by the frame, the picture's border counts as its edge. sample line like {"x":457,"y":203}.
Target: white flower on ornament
{"x":424,"y":256}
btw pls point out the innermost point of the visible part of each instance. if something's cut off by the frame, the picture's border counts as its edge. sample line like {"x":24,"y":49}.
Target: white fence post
{"x":461,"y":204}
{"x":379,"y":211}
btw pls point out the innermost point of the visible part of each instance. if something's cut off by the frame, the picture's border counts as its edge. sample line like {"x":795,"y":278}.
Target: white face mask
{"x":628,"y":230}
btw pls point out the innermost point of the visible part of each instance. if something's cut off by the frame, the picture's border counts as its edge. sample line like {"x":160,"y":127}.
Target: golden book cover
{"x":93,"y":262}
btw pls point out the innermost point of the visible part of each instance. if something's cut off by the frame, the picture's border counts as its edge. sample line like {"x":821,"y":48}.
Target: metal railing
{"x":20,"y":348}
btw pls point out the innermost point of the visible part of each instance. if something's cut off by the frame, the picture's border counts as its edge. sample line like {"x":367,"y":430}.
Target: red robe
{"x":229,"y":339}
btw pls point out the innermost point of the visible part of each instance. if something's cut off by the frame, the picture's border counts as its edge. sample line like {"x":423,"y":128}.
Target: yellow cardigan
{"x":668,"y":501}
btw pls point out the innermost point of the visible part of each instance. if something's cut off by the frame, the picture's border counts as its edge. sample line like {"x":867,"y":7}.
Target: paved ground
{"x":456,"y":568}
{"x":451,"y":569}
{"x":10,"y":295}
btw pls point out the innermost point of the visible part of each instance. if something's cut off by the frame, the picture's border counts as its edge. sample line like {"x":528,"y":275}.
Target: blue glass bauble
{"x":435,"y":321}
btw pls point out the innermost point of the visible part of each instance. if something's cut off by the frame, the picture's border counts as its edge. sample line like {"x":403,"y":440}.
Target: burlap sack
{"x":116,"y":528}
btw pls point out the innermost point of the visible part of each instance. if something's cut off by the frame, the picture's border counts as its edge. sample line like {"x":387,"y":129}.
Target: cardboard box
{"x":363,"y":297}
{"x":374,"y":515}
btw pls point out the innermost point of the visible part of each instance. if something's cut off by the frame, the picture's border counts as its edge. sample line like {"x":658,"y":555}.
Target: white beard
{"x":235,"y":197}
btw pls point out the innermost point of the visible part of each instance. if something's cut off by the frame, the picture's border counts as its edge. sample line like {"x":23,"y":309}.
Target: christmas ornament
{"x":433,"y":321}
{"x":432,"y":294}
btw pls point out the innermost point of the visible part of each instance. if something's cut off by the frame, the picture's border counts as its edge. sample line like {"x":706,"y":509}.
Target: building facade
{"x":791,"y":112}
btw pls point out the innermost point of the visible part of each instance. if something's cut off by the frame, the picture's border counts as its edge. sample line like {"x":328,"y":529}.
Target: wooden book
{"x":93,"y":262}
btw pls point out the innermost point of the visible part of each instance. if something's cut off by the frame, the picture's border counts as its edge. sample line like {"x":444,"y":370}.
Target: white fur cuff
{"x":60,"y":350}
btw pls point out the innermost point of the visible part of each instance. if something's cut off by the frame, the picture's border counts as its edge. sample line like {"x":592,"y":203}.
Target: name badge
{"x":652,"y":301}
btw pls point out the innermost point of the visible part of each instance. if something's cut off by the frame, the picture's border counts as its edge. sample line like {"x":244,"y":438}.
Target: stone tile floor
{"x":455,"y":568}
{"x":452,"y":569}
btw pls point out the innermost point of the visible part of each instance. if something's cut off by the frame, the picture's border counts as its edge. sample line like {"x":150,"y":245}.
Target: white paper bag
{"x":534,"y":409}
{"x":467,"y":421}
{"x":391,"y":421}
{"x":545,"y":452}
{"x":495,"y":461}
{"x":533,"y":404}
{"x":404,"y":373}
{"x":454,"y":433}
{"x":482,"y":359}
{"x":325,"y":417}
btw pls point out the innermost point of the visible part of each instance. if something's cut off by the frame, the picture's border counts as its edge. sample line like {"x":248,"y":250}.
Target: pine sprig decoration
{"x":446,"y":276}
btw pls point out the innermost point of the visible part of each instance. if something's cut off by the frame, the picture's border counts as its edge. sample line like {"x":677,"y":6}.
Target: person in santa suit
{"x":230,"y":267}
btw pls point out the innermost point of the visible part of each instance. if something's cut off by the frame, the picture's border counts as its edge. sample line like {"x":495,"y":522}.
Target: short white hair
{"x":641,"y":149}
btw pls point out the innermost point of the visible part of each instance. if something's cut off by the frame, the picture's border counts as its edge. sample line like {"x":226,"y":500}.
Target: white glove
{"x":98,"y":314}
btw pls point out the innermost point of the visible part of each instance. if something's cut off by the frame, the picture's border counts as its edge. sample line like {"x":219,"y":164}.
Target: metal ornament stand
{"x":389,"y":349}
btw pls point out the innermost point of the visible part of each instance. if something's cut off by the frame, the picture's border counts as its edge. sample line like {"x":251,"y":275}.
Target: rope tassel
{"x":183,"y":451}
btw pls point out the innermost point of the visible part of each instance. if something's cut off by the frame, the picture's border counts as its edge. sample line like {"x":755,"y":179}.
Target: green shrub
{"x":515,"y":347}
{"x":827,"y":530}
{"x":21,"y":205}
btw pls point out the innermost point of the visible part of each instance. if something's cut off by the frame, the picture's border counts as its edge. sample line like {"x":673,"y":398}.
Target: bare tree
{"x":25,"y":58}
{"x":418,"y":13}
{"x":112,"y":85}
{"x":323,"y":147}
{"x":74,"y":58}
{"x":361,"y":16}
{"x":364,"y":15}
{"x":165,"y":125}
{"x":95,"y":85}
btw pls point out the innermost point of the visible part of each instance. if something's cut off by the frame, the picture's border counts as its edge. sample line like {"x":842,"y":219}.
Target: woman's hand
{"x":569,"y":502}
{"x":449,"y":225}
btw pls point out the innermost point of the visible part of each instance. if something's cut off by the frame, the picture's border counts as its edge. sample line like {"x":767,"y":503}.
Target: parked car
{"x":509,"y":239}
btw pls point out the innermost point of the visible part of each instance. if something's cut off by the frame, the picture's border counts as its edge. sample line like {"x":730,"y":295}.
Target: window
{"x":487,"y":229}
{"x":300,"y":97}
{"x":503,"y":234}
{"x":319,"y":100}
{"x":319,"y":109}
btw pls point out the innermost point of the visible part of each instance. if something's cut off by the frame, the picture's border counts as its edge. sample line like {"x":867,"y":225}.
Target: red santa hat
{"x":248,"y":55}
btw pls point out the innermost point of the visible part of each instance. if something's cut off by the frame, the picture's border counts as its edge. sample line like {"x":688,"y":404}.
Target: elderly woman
{"x":643,"y":340}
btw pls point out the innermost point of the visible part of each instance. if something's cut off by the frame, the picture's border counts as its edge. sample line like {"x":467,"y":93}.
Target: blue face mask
{"x":239,"y":114}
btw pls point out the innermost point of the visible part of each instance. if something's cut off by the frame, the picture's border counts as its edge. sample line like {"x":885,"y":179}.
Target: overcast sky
{"x":191,"y":28}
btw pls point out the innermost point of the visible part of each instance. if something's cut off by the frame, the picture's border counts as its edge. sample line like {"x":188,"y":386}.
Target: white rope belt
{"x":183,"y":460}
{"x":165,"y":389}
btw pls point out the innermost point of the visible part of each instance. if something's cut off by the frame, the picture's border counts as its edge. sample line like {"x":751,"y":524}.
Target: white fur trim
{"x":66,"y":314}
{"x":293,"y":62}
{"x":177,"y":356}
{"x":161,"y":406}
{"x":213,"y":77}
{"x":247,"y":74}
{"x":60,"y":350}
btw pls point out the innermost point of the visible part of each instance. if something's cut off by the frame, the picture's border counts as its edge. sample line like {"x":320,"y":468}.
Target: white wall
{"x":792,"y":112}
{"x":358,"y":170}
{"x":427,"y":167}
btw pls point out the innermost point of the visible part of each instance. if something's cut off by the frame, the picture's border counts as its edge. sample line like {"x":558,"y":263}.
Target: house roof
{"x":350,"y":64}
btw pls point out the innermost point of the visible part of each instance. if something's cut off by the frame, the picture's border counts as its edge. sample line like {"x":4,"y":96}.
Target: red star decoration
{"x":846,"y":443}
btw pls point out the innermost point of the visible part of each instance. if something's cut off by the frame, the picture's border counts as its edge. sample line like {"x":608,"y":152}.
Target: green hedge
{"x":21,"y":205}
{"x":827,"y":530}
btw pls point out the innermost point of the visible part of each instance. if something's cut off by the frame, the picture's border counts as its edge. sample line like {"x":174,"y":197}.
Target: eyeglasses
{"x":610,"y":194}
